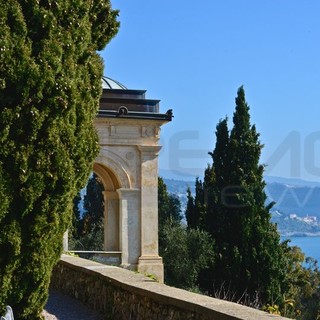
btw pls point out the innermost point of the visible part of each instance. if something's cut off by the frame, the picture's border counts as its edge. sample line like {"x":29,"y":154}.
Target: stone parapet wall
{"x":121,"y":294}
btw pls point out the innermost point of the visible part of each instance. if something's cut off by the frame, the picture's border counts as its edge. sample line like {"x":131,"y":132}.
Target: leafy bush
{"x":186,"y":253}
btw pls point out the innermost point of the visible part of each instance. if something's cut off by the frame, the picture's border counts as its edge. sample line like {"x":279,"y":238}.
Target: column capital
{"x":125,"y":192}
{"x":149,"y":150}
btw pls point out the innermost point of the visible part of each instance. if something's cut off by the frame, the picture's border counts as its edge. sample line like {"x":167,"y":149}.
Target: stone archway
{"x":122,"y":205}
{"x":128,"y":126}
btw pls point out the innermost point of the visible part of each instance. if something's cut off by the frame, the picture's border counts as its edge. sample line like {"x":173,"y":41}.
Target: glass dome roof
{"x":108,"y":83}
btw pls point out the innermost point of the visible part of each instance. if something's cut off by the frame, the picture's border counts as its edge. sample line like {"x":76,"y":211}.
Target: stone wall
{"x":122,"y":294}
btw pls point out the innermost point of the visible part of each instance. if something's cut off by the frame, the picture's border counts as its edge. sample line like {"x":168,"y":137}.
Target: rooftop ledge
{"x":76,"y":277}
{"x":135,"y":115}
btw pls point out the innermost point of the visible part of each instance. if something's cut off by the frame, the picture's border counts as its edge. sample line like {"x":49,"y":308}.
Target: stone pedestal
{"x":151,"y":266}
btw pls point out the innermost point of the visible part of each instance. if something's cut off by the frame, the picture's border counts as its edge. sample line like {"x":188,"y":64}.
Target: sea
{"x":310,"y":246}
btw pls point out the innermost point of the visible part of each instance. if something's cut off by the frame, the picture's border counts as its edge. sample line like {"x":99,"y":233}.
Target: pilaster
{"x":130,"y":225}
{"x":149,"y":261}
{"x":111,"y":221}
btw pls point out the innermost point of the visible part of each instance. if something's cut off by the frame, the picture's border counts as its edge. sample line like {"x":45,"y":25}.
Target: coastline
{"x":299,"y":234}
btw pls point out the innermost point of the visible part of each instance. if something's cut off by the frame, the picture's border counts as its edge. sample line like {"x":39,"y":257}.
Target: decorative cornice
{"x":149,"y":150}
{"x":135,"y":115}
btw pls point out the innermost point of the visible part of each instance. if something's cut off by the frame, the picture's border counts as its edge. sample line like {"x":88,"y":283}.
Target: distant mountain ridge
{"x":181,"y":176}
{"x":291,"y":196}
{"x":292,"y":181}
{"x":176,"y":175}
{"x":296,"y":202}
{"x":293,"y":199}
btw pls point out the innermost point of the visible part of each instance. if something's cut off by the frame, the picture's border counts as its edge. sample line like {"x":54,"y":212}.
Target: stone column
{"x":65,"y":241}
{"x":130,"y":225}
{"x":149,"y":261}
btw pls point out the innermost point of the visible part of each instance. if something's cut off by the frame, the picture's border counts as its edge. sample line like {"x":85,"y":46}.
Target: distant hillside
{"x":176,"y":175}
{"x":290,"y":225}
{"x":291,"y":181}
{"x":179,"y":188}
{"x":292,"y":197}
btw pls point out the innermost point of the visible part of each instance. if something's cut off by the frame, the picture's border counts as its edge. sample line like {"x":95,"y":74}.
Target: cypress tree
{"x":93,"y":202}
{"x":50,"y":85}
{"x":249,"y":258}
{"x":169,"y":208}
{"x":195,"y":206}
{"x":192,"y":221}
{"x":92,"y":221}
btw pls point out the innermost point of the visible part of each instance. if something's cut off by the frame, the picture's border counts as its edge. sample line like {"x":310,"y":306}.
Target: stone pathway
{"x":63,"y":307}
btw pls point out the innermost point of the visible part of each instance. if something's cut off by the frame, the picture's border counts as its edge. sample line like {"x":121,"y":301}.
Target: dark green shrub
{"x":50,"y":85}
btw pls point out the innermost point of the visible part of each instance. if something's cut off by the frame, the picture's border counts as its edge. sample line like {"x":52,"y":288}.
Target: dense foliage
{"x":87,"y":232}
{"x":302,"y":298}
{"x":186,"y":253}
{"x":230,"y":205}
{"x":50,"y":85}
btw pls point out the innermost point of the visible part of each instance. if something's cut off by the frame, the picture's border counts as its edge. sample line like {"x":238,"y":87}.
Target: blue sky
{"x":194,"y":55}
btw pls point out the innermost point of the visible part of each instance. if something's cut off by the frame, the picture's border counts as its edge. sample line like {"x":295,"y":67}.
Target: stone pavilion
{"x":128,"y":126}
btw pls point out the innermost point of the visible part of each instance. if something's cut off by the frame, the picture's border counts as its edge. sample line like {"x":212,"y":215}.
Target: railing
{"x":112,"y":258}
{"x":120,"y":294}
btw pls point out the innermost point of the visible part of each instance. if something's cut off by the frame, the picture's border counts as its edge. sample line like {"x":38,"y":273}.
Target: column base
{"x":151,"y":265}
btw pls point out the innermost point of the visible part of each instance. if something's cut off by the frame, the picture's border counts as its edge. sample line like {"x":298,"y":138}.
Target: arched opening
{"x":111,"y":207}
{"x":87,"y":232}
{"x":95,"y":232}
